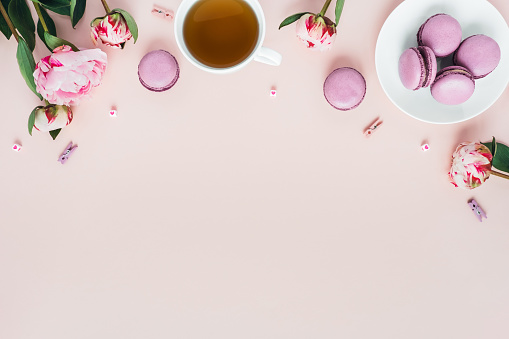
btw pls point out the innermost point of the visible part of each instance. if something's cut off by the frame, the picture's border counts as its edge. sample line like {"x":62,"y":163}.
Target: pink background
{"x":214,"y":211}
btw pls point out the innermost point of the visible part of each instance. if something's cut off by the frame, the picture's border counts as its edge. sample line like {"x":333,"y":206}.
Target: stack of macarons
{"x":440,"y":36}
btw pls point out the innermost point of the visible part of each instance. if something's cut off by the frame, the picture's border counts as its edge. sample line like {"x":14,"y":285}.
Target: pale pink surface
{"x":215,"y":211}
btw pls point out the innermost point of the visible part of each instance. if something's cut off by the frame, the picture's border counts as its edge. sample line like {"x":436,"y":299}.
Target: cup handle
{"x":268,"y":56}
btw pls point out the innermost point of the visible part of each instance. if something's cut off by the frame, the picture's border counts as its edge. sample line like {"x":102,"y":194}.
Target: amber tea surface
{"x":221,"y":33}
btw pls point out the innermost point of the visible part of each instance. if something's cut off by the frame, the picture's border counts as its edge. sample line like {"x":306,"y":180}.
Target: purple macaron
{"x":417,"y":67}
{"x":158,"y":70}
{"x":453,"y":85}
{"x":479,"y":53}
{"x":441,"y":33}
{"x":344,"y":88}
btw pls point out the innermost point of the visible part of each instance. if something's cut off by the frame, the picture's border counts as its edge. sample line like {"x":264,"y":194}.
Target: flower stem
{"x":106,"y":8}
{"x":9,"y":23}
{"x":39,"y":14}
{"x":324,"y":8}
{"x":498,"y":174}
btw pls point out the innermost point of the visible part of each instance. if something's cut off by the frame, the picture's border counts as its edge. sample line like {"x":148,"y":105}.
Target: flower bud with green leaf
{"x":473,"y":163}
{"x":316,"y":30}
{"x":49,"y":118}
{"x":114,"y":29}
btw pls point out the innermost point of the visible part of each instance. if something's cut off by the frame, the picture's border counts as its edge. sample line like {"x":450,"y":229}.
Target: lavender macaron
{"x":441,"y":33}
{"x":479,"y":53}
{"x":417,"y":67}
{"x":158,"y":70}
{"x":453,"y":85}
{"x":345,"y":88}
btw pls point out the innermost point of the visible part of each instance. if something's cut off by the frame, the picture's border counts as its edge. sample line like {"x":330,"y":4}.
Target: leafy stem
{"x":105,"y":5}
{"x":9,"y":22}
{"x":324,"y":8}
{"x":39,"y":14}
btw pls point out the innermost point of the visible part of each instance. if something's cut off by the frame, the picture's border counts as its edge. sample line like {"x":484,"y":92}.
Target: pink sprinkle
{"x":113,"y":113}
{"x":273,"y":93}
{"x":16,"y":147}
{"x":425,"y":147}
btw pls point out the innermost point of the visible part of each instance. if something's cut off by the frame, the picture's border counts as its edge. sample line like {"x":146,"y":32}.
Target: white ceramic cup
{"x":259,"y":53}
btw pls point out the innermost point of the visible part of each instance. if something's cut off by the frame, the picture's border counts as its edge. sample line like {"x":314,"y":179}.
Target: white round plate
{"x":399,"y":33}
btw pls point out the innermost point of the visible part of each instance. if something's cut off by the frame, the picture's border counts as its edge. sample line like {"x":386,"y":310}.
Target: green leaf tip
{"x":292,"y":18}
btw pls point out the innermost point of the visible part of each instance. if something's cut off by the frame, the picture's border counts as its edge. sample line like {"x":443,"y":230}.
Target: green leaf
{"x":62,"y":7}
{"x":500,"y":154}
{"x":492,"y":146}
{"x":292,"y":19}
{"x":54,"y":133}
{"x":49,"y":24}
{"x":26,"y":64}
{"x":53,"y":42}
{"x":22,"y":19}
{"x":31,"y":119}
{"x":77,"y":11}
{"x":4,"y":28}
{"x":133,"y":27}
{"x":501,"y":159}
{"x":339,"y":9}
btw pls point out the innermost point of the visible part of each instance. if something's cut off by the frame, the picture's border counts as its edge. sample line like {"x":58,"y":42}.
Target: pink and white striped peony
{"x":65,"y":77}
{"x":471,"y":165}
{"x":317,"y":32}
{"x":112,"y":30}
{"x":52,"y":117}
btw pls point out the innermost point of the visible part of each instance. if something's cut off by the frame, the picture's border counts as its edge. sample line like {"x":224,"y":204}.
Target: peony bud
{"x":52,"y":117}
{"x":112,"y":30}
{"x":471,"y":165}
{"x":317,"y":32}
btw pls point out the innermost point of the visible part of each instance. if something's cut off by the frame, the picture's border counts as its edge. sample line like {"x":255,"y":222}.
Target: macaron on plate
{"x":398,"y":44}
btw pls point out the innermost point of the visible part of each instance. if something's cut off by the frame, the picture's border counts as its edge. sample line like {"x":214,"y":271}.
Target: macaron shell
{"x":430,"y":62}
{"x":480,"y":54}
{"x":441,"y":33}
{"x":411,"y":69}
{"x":345,"y":88}
{"x":158,"y":70}
{"x":453,"y":86}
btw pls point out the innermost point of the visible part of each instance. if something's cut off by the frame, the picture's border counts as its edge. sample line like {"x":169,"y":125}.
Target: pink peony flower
{"x":52,"y":117}
{"x":471,"y":165}
{"x":112,"y":30}
{"x":317,"y":32}
{"x":65,"y":77}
